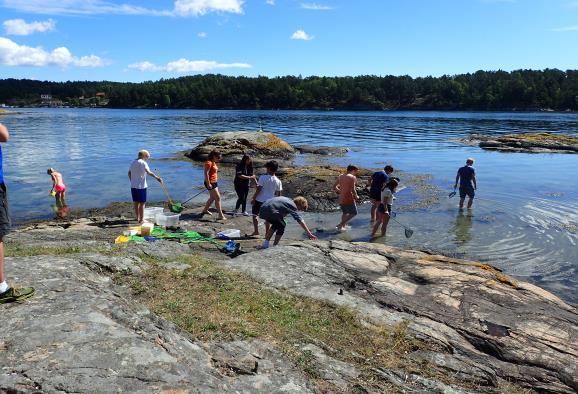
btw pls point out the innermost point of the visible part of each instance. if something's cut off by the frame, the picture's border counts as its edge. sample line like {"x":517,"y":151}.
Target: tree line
{"x":483,"y":90}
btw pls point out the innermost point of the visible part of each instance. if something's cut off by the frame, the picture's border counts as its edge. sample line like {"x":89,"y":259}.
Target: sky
{"x":129,"y":40}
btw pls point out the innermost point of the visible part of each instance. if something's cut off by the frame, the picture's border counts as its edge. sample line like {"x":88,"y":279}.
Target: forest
{"x":523,"y":90}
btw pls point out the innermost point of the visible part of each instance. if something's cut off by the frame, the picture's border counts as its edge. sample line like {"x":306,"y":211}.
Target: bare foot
{"x":255,"y":234}
{"x":207,"y":213}
{"x":222,"y":218}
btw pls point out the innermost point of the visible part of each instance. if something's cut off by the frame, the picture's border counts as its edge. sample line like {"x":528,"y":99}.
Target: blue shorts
{"x":467,"y":191}
{"x":138,"y":195}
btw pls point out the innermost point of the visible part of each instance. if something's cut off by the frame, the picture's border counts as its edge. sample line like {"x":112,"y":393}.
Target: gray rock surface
{"x":80,"y":333}
{"x":493,"y":327}
{"x":336,"y":372}
{"x":261,"y":146}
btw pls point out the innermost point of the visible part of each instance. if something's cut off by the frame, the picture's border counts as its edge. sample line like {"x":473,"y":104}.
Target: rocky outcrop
{"x":261,"y":146}
{"x":321,"y":150}
{"x":492,"y":328}
{"x":528,"y":143}
{"x":81,"y":333}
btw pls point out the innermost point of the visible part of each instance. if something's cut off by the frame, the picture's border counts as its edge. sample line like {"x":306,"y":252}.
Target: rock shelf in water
{"x":526,"y":143}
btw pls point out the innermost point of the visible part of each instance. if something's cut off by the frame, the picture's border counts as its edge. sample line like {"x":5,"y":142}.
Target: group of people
{"x":267,"y":202}
{"x":381,"y":192}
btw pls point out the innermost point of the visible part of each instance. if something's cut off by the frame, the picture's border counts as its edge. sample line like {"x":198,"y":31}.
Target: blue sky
{"x":130,"y":40}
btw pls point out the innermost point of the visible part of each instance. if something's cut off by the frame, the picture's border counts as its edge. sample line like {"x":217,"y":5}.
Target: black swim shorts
{"x":4,"y":216}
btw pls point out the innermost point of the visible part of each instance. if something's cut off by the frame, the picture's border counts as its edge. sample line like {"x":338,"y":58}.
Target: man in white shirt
{"x":268,"y":186}
{"x":137,"y":174}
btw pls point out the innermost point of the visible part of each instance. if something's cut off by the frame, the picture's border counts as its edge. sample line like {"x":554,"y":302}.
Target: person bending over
{"x":58,"y":187}
{"x":274,"y":211}
{"x":268,"y":187}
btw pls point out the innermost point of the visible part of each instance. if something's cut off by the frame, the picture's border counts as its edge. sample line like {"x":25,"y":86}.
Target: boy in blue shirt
{"x":7,"y":293}
{"x":467,"y":177}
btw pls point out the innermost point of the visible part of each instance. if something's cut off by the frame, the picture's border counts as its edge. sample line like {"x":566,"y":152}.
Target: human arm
{"x":4,"y":134}
{"x":457,"y":179}
{"x":474,"y":181}
{"x":129,"y":175}
{"x":257,"y":191}
{"x":354,"y":191}
{"x":148,"y":171}
{"x":336,"y":187}
{"x":309,"y":233}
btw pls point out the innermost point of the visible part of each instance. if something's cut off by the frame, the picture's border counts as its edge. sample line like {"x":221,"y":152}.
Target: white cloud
{"x":316,"y":7}
{"x":270,"y":2}
{"x":567,"y":28}
{"x":301,"y":35}
{"x":87,"y":7}
{"x":202,"y":34}
{"x":183,"y":65}
{"x":144,"y":66}
{"x":19,"y":27}
{"x":201,"y":7}
{"x":12,"y":54}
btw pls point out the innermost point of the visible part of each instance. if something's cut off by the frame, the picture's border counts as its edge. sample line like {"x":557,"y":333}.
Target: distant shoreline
{"x":511,"y":110}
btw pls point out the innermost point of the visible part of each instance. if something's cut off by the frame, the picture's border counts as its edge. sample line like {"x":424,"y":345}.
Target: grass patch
{"x":214,"y":303}
{"x":18,"y":250}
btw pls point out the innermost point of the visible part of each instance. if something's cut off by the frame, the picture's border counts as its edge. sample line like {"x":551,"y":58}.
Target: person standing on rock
{"x":375,"y":185}
{"x":467,"y":178}
{"x":345,"y":186}
{"x":211,"y":183}
{"x":243,"y":176}
{"x":274,"y":211}
{"x":137,"y":175}
{"x":268,"y":187}
{"x":7,"y":293}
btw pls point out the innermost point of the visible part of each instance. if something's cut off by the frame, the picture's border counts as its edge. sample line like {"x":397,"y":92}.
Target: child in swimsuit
{"x":58,"y":187}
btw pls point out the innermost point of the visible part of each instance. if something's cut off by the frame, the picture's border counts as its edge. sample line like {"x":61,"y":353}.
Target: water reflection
{"x":463,"y":226}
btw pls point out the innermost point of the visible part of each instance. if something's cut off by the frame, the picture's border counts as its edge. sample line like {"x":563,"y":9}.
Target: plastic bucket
{"x":167,"y":219}
{"x":151,"y":212}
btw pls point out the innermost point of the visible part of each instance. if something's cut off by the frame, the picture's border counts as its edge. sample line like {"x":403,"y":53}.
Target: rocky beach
{"x":306,"y":316}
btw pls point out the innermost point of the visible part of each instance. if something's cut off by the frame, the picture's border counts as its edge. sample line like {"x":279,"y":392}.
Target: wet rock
{"x":526,"y":143}
{"x":261,"y":146}
{"x":80,"y":332}
{"x":321,"y":150}
{"x":490,"y":325}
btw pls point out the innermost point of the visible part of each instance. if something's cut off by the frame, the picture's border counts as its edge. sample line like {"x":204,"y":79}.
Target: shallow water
{"x":524,"y":220}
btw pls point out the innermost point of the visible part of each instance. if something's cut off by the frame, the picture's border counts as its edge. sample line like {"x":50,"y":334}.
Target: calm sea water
{"x":522,"y":222}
